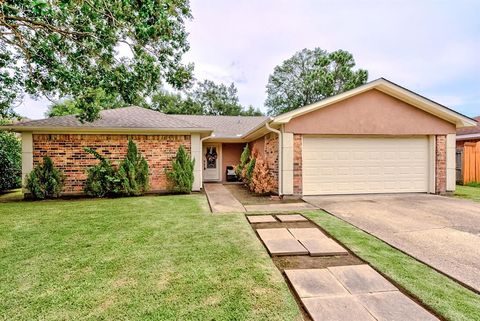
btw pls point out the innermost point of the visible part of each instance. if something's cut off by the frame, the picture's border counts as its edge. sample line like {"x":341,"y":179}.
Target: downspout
{"x":201,"y":158}
{"x":280,"y":157}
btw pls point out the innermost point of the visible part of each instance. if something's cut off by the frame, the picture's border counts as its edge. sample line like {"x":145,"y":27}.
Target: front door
{"x":211,"y":162}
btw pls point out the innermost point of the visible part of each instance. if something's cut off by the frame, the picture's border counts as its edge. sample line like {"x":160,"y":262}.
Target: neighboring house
{"x":377,"y":138}
{"x":469,"y":134}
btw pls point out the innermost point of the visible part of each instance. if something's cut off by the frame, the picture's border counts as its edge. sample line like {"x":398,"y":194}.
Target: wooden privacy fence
{"x":471,"y":162}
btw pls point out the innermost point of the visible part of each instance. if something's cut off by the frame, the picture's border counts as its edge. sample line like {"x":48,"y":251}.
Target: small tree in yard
{"x":130,"y":178}
{"x":45,"y":181}
{"x":181,"y":174}
{"x":101,"y":177}
{"x":133,"y":172}
{"x":244,"y":159}
{"x":249,"y":167}
{"x":261,"y":182}
{"x":10,"y":161}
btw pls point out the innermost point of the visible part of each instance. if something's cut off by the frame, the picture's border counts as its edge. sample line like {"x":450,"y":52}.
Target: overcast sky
{"x":430,"y":47}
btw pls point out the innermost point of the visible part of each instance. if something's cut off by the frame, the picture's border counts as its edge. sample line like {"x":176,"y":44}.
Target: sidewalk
{"x":221,"y":200}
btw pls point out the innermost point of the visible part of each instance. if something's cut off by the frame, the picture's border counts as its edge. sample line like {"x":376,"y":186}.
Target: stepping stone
{"x":307,"y":233}
{"x":310,"y":283}
{"x":261,"y":219}
{"x":358,"y":279}
{"x":317,"y":243}
{"x":274,"y":234}
{"x":394,"y":306}
{"x":336,"y":309}
{"x":291,"y":218}
{"x":280,"y":242}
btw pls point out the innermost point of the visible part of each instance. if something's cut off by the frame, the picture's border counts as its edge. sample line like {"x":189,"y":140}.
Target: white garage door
{"x":347,"y":165}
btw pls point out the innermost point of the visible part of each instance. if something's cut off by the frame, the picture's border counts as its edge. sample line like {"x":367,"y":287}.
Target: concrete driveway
{"x":443,"y":232}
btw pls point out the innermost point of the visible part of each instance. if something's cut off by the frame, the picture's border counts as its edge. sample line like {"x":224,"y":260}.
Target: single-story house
{"x":468,"y":134}
{"x":377,"y":138}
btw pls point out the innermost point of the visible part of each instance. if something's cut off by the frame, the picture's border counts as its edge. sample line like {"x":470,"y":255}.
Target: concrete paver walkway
{"x":299,"y":241}
{"x":280,"y":242}
{"x":443,"y":232}
{"x":291,"y":218}
{"x":354,"y":292}
{"x":261,"y":219}
{"x":281,"y":207}
{"x":221,"y":200}
{"x":317,"y":243}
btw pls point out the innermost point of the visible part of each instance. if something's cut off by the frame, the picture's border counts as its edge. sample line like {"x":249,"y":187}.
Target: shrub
{"x":10,"y":161}
{"x":473,"y":184}
{"x":129,"y":178}
{"x":133,"y":173}
{"x":181,"y":174}
{"x":100,"y":178}
{"x":45,"y":181}
{"x":248,"y":171}
{"x":244,"y":159}
{"x":261,"y":181}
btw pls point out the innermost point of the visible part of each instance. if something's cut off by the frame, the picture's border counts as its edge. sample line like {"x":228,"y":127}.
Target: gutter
{"x":280,"y":157}
{"x":126,"y":130}
{"x":468,"y":136}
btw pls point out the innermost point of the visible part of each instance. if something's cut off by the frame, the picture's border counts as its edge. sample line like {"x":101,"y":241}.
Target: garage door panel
{"x":364,"y":165}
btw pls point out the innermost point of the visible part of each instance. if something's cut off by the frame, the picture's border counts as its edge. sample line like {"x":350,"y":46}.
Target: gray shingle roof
{"x":225,"y":126}
{"x":127,"y":117}
{"x":142,"y":118}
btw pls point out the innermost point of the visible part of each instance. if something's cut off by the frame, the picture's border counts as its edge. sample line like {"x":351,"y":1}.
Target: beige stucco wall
{"x":370,"y":113}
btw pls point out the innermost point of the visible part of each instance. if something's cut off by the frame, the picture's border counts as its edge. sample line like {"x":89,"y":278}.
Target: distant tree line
{"x":205,"y":98}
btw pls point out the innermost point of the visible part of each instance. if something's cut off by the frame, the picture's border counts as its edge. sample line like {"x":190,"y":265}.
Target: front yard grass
{"x":143,"y":258}
{"x":468,"y":192}
{"x":441,"y":294}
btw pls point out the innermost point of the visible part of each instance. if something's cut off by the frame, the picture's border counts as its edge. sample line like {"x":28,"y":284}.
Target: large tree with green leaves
{"x":207,"y":98}
{"x":220,"y":99}
{"x":72,"y":48}
{"x":174,"y":103}
{"x":309,"y":76}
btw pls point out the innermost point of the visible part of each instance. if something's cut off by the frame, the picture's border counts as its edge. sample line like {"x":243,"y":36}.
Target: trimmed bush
{"x":45,"y":181}
{"x":133,"y":173}
{"x":181,"y":174}
{"x":10,"y":161}
{"x":244,"y":159}
{"x":130,"y":178}
{"x":100,"y":178}
{"x":262,"y":181}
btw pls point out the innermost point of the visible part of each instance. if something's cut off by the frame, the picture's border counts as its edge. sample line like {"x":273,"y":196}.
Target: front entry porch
{"x":217,"y":156}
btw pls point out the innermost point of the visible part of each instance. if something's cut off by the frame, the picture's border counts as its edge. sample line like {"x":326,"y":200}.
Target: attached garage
{"x":376,"y":138}
{"x":358,"y":165}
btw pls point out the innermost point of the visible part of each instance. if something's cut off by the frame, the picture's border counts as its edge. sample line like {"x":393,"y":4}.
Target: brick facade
{"x":267,"y":147}
{"x":440,"y":164}
{"x":271,"y":156}
{"x":297,"y":164}
{"x":67,"y":153}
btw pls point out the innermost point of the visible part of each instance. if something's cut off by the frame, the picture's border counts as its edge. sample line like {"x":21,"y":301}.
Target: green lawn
{"x":443,"y":295}
{"x":468,"y":192}
{"x":145,"y":258}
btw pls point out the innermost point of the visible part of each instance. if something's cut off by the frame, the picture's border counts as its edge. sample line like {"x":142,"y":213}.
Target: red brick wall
{"x":440,"y":164}
{"x":271,"y":155}
{"x":67,"y":153}
{"x":297,"y":164}
{"x":267,"y":147}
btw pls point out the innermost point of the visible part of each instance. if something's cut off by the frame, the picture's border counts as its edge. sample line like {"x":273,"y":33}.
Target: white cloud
{"x":428,"y":46}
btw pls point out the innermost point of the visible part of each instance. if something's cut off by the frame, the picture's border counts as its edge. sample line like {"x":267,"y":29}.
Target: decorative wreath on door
{"x":211,"y":157}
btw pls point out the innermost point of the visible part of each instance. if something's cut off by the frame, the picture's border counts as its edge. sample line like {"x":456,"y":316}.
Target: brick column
{"x":440,"y":164}
{"x":297,"y":164}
